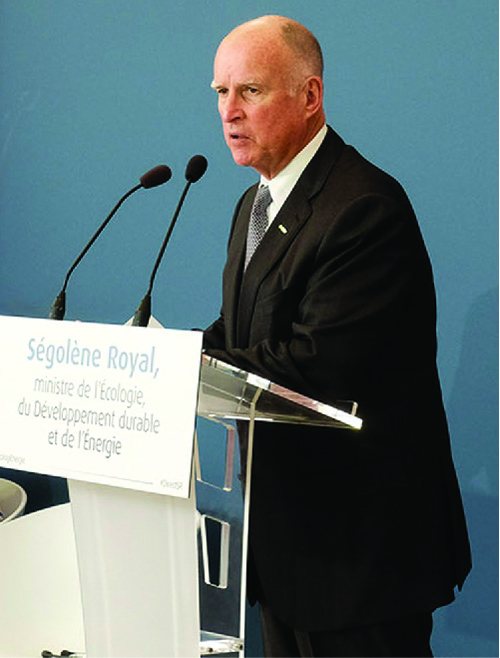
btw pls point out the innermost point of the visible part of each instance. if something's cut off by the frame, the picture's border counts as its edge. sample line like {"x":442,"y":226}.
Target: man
{"x":355,"y":537}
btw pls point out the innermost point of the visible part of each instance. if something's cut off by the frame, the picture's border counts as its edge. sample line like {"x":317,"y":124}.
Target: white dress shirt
{"x":282,"y":184}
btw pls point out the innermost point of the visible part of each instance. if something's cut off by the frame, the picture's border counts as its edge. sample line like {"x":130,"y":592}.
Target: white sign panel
{"x":103,"y":403}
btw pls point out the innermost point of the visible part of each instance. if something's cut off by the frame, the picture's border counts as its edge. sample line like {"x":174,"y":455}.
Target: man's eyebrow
{"x":249,"y":83}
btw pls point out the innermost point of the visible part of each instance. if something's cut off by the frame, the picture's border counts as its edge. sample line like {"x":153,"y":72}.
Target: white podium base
{"x":138,"y":571}
{"x":40,"y":603}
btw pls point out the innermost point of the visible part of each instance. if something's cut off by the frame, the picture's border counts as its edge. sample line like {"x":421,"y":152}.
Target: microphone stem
{"x":167,"y":238}
{"x":97,"y":234}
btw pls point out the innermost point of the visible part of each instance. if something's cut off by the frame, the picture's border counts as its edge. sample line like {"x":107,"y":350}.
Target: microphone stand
{"x":152,"y":178}
{"x":143,"y":312}
{"x":58,"y":308}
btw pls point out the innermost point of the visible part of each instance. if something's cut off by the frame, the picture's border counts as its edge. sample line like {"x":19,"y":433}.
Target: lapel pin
{"x":283,"y":229}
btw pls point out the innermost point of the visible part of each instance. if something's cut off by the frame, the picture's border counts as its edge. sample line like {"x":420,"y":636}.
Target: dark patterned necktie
{"x":258,"y":221}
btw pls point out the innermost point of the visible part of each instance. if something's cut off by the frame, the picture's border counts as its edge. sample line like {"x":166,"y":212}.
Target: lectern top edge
{"x":228,"y":392}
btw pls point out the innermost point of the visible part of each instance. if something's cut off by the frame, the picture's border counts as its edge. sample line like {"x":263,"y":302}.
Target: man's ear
{"x":314,"y":94}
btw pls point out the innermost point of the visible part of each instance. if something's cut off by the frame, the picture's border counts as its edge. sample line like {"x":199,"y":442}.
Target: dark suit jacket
{"x":346,"y":527}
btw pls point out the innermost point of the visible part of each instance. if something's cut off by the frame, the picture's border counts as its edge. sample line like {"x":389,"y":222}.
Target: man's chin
{"x":241,"y":156}
{"x":241,"y":163}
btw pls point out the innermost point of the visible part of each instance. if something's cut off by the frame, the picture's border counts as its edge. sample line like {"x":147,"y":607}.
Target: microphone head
{"x":196,"y":167}
{"x":156,"y":176}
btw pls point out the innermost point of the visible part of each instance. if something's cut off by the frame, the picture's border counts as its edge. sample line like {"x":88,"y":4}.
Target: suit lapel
{"x":233,"y":271}
{"x":243,"y":288}
{"x":274,"y":245}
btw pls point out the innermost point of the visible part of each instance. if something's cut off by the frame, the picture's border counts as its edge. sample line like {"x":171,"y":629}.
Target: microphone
{"x":195,"y":169}
{"x":152,"y":178}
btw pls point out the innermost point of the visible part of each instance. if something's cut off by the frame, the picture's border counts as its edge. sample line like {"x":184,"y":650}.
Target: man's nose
{"x":230,"y":108}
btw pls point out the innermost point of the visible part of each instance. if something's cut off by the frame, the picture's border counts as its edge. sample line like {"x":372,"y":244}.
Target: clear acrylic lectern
{"x":228,"y":394}
{"x":156,"y":569}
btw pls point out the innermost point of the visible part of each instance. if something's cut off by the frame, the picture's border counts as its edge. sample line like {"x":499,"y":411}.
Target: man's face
{"x":264,"y":120}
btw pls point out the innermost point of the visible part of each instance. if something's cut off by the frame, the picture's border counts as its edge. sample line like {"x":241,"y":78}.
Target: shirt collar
{"x":282,"y":184}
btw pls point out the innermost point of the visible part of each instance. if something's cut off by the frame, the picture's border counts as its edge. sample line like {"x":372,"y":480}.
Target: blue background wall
{"x":95,"y":93}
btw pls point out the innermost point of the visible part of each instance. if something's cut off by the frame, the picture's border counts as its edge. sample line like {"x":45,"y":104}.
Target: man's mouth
{"x":235,"y":137}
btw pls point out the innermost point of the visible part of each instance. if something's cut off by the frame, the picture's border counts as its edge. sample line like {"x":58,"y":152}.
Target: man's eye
{"x":251,"y":93}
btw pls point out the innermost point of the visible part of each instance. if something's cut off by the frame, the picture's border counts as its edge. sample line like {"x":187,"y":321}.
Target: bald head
{"x":282,"y":32}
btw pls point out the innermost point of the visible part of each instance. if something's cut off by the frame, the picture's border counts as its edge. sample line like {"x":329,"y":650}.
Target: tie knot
{"x":262,"y":199}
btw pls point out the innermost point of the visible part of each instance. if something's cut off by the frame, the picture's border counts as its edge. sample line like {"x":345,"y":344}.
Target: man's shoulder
{"x":347,"y":172}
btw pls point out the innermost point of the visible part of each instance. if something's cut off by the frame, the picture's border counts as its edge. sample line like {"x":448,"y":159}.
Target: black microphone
{"x":195,"y":169}
{"x":152,"y":178}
